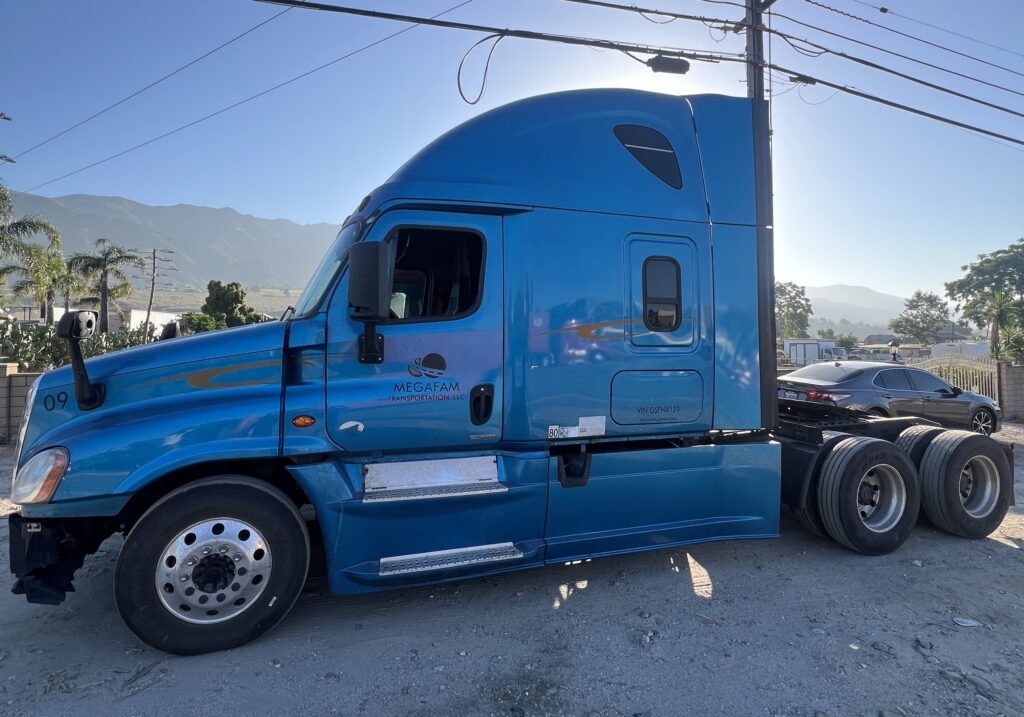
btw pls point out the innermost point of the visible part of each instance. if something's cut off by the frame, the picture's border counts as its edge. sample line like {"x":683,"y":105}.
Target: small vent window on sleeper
{"x":438,"y":273}
{"x":662,"y":292}
{"x":653,"y":150}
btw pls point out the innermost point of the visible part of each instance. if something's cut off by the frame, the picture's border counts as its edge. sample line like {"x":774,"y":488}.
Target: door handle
{"x":481,"y":403}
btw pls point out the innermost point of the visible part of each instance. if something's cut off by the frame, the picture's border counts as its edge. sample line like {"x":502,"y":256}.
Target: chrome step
{"x":441,"y":559}
{"x":432,"y":491}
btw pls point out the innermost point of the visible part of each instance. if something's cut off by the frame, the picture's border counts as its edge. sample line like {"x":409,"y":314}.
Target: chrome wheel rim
{"x":979,"y":486}
{"x":982,"y":423}
{"x":213,"y":571}
{"x":881,"y":498}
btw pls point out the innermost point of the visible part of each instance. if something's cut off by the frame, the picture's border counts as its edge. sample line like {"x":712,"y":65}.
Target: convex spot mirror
{"x":77,"y":325}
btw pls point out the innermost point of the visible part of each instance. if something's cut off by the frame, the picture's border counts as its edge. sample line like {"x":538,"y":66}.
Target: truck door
{"x":439,"y":385}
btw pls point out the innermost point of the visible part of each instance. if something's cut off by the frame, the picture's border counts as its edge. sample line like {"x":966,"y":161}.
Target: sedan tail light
{"x":824,"y":396}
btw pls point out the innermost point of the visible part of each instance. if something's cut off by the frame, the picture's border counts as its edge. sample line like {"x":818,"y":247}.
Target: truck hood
{"x":255,"y":338}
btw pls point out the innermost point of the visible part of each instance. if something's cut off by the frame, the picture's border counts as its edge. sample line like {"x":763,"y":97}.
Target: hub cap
{"x":982,"y":423}
{"x":213,"y":571}
{"x":979,"y":486}
{"x":881,"y":498}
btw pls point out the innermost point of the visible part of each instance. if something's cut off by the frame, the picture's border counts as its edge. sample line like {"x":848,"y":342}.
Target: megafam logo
{"x":431,"y":366}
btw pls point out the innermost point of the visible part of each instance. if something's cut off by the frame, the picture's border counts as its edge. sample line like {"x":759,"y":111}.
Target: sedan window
{"x":924,"y":381}
{"x":894,"y":378}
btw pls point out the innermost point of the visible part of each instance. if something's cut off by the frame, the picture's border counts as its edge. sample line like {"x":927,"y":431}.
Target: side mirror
{"x":73,"y":327}
{"x":369,"y":295}
{"x":369,"y":281}
{"x":77,"y":325}
{"x":170,"y":331}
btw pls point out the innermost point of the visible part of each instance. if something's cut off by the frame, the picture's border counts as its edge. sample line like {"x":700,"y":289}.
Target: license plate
{"x":790,"y":394}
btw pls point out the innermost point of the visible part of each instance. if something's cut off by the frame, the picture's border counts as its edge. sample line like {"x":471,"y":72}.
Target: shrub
{"x":36,"y":348}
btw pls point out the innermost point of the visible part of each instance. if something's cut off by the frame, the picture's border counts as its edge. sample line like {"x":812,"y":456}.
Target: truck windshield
{"x":324,"y":273}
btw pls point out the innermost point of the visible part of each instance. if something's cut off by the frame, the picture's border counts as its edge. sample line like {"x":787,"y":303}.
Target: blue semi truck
{"x":548,"y":337}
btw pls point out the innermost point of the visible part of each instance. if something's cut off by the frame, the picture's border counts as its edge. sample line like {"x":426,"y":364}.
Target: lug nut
{"x":224,"y":548}
{"x":190,"y":562}
{"x":207,"y":550}
{"x":185,"y":577}
{"x":238,"y":557}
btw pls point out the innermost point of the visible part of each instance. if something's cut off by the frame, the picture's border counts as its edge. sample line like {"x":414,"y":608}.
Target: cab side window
{"x":662,"y":293}
{"x":438,"y":273}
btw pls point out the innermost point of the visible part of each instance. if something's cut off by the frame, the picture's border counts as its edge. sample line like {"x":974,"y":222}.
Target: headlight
{"x":36,"y":481}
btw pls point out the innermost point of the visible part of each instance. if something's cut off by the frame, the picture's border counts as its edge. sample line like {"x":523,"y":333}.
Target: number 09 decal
{"x":54,"y":401}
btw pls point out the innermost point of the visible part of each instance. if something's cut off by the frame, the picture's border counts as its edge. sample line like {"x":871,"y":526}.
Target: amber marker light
{"x":303,"y":421}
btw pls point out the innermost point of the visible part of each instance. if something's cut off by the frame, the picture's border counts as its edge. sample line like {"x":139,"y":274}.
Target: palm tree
{"x":42,"y":272}
{"x":1002,"y":312}
{"x":106,"y":267}
{"x":15,"y":233}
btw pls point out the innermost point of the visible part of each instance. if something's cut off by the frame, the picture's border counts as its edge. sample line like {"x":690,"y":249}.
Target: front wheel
{"x":212,"y":565}
{"x":984,"y":422}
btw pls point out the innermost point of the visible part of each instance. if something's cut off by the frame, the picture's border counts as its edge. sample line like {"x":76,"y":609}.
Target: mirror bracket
{"x":371,"y":344}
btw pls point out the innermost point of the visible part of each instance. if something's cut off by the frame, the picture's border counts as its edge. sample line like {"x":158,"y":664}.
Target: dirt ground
{"x":794,"y":627}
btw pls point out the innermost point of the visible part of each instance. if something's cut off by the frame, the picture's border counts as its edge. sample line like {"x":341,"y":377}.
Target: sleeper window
{"x":661,"y":294}
{"x":438,"y":273}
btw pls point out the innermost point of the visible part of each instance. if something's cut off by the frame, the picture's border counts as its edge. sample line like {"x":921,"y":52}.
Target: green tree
{"x":924,"y":314}
{"x":226,"y":304}
{"x":1001,"y":312}
{"x":105,"y":268}
{"x":828,"y":333}
{"x":198,"y":323}
{"x":792,"y":311}
{"x":847,"y":341}
{"x":16,"y":233}
{"x":1001,"y":271}
{"x":43,"y":274}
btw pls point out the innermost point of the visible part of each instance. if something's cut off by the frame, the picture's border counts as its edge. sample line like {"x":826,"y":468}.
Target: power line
{"x":644,"y":12}
{"x":911,"y":36}
{"x":152,"y":84}
{"x":889,"y":11}
{"x":688,"y":54}
{"x":239,"y":103}
{"x":875,"y":66}
{"x":896,"y":54}
{"x":809,"y":80}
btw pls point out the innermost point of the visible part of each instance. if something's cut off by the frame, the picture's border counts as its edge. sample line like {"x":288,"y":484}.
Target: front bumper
{"x":46,"y":553}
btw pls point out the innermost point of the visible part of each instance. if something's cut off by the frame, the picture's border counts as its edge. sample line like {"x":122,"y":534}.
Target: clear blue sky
{"x":864,"y":194}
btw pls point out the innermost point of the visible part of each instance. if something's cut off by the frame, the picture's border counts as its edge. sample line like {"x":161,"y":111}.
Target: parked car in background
{"x":888,"y":389}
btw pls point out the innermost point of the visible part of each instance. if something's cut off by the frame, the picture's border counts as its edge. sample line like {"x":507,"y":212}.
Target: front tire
{"x":984,"y":422}
{"x":212,"y":565}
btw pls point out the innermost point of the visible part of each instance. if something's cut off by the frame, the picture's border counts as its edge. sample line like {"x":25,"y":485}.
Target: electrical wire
{"x":152,"y":84}
{"x":487,"y":67}
{"x":911,"y":36}
{"x":232,"y":106}
{"x":889,"y":11}
{"x":689,"y":54}
{"x":643,"y":12}
{"x":875,"y":66}
{"x":807,"y":79}
{"x":900,"y":55}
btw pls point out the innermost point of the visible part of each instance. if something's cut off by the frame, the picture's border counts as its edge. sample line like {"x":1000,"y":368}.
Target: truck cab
{"x":547,"y":337}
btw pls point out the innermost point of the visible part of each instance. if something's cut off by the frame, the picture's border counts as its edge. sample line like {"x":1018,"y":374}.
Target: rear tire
{"x":915,"y":440}
{"x":966,"y":484}
{"x":212,"y":565}
{"x":869,"y":495}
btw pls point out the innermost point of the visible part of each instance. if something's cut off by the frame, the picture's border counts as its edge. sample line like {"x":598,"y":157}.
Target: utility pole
{"x":154,"y":274}
{"x":763,"y":203}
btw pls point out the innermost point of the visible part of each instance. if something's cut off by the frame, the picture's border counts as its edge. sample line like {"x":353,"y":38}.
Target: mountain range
{"x":208,"y":243}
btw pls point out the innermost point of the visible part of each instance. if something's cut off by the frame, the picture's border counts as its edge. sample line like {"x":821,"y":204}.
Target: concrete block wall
{"x":14,"y":389}
{"x":1011,"y":390}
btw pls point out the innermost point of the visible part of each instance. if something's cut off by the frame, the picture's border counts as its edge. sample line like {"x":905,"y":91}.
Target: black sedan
{"x":889,"y":389}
